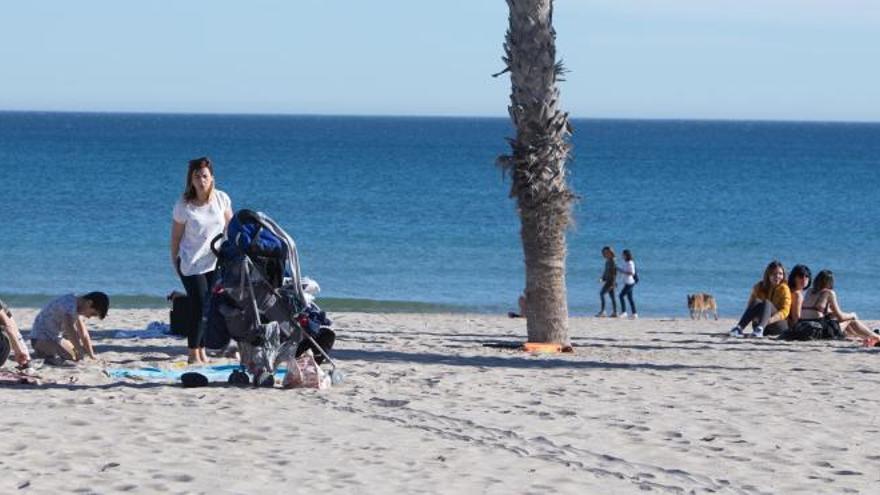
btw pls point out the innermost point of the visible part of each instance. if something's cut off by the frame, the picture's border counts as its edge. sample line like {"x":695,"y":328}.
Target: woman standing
{"x":608,"y":280}
{"x":768,"y":306}
{"x":628,"y":272}
{"x":199,"y":215}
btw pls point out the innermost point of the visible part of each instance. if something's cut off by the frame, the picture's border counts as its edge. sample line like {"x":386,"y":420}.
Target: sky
{"x":708,"y":59}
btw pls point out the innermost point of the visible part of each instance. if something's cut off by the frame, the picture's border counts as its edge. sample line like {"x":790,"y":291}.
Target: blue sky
{"x":745,"y":59}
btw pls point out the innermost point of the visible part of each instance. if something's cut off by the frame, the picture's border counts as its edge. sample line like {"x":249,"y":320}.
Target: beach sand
{"x":663,"y":406}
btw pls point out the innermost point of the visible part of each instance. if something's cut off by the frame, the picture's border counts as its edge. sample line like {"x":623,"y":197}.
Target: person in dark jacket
{"x":609,"y":282}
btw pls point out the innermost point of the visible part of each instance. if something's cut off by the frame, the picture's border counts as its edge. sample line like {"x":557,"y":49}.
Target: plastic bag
{"x":304,"y":372}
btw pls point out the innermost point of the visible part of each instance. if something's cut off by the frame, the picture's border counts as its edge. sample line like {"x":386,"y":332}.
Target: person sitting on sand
{"x":59,"y":329}
{"x":799,"y":281}
{"x":608,"y":281}
{"x":9,"y":328}
{"x":821,"y":301}
{"x":768,"y":306}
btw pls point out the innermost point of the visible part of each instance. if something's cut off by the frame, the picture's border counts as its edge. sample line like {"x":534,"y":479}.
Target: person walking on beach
{"x":60,"y":330}
{"x":201,"y":213}
{"x":608,"y":281}
{"x":9,"y":330}
{"x":628,"y":274}
{"x":768,"y":306}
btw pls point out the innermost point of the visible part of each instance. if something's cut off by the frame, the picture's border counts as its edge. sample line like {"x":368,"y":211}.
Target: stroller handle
{"x":214,"y":250}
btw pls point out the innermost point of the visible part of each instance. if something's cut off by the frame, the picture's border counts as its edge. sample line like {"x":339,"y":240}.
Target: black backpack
{"x":818,"y":329}
{"x":5,"y":348}
{"x":804,"y":330}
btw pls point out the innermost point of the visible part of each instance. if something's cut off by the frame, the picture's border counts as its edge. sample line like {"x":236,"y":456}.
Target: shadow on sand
{"x":526,"y":362}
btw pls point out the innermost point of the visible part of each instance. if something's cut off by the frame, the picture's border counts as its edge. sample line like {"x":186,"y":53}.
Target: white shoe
{"x":634,"y":316}
{"x":758,"y":333}
{"x":622,"y":315}
{"x":600,"y":314}
{"x":736,"y":332}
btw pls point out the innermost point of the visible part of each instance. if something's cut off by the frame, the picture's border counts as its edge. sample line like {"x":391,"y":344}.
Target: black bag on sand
{"x":325,"y":338}
{"x":818,"y":329}
{"x":804,"y":330}
{"x":5,"y":348}
{"x":216,"y":331}
{"x":831,"y":329}
{"x":181,"y":315}
{"x":193,"y":379}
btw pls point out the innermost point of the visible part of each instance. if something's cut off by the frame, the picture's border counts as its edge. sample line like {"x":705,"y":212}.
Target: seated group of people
{"x":59,"y":331}
{"x":776,"y":306}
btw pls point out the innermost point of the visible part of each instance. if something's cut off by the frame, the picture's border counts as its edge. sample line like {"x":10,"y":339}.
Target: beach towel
{"x":154,"y":329}
{"x":14,"y":378}
{"x":154,"y":374}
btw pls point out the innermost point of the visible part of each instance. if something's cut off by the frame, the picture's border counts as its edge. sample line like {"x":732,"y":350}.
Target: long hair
{"x":607,"y":249}
{"x":189,"y":194}
{"x":823,"y":280}
{"x":799,"y":271}
{"x":772,"y":267}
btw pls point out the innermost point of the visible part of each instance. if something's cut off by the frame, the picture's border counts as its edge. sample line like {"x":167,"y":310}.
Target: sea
{"x":412,"y":214}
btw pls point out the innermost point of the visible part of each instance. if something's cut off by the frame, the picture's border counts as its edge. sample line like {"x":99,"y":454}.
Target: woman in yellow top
{"x":768,"y":306}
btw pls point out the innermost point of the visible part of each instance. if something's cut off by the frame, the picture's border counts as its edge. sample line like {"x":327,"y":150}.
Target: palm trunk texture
{"x":537,"y":165}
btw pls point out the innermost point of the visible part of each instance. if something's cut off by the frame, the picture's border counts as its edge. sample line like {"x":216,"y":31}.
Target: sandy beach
{"x":665,"y":406}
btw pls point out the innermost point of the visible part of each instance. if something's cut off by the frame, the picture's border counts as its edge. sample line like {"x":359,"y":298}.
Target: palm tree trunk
{"x":537,"y":165}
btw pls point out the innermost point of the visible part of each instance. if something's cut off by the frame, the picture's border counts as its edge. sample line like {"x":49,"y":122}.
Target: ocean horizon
{"x":411,"y":214}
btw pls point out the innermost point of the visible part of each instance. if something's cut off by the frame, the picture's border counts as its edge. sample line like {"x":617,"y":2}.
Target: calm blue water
{"x":392,"y":211}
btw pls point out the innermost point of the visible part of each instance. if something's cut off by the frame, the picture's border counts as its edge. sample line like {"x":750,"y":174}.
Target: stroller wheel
{"x":336,"y":376}
{"x":238,"y":378}
{"x":264,"y":379}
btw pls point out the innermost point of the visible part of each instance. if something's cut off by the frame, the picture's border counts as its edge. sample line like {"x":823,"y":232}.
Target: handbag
{"x":804,"y":330}
{"x":831,"y":329}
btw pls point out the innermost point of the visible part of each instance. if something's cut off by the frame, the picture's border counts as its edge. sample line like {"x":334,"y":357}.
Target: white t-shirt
{"x":629,"y":266}
{"x":202,"y":224}
{"x":49,"y":323}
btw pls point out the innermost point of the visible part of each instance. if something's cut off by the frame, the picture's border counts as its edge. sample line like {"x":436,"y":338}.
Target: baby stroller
{"x":259,"y":301}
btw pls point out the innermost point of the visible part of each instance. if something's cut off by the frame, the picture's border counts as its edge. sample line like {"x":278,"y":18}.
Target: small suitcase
{"x":181,"y":315}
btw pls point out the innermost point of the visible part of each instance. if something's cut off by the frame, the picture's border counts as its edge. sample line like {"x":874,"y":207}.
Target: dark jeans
{"x":759,"y":314}
{"x":608,"y":288}
{"x":198,"y":289}
{"x":628,"y":292}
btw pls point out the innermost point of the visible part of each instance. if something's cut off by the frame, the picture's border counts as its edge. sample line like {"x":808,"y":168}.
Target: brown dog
{"x":700,"y":304}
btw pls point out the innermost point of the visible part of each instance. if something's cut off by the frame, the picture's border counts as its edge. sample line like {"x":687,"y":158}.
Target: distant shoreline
{"x":127,"y":301}
{"x":330,"y":304}
{"x":718,"y":120}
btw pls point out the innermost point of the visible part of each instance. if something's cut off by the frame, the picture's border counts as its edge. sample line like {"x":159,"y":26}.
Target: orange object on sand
{"x":542,"y":347}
